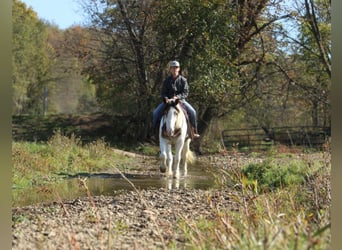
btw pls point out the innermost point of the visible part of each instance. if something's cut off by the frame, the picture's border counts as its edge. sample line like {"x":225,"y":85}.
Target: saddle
{"x":190,"y":130}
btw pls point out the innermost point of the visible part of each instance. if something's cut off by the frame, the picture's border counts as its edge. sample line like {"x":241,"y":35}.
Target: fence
{"x":257,"y":137}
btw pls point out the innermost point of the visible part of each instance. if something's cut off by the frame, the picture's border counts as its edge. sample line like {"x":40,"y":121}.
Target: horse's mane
{"x":174,"y":104}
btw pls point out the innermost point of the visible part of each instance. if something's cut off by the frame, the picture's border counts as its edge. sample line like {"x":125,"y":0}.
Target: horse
{"x":173,"y":130}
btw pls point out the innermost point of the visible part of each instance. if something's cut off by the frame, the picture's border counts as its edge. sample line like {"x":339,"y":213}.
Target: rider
{"x":175,"y":87}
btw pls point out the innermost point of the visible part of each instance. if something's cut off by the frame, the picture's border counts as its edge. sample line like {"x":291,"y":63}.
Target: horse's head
{"x":173,"y":116}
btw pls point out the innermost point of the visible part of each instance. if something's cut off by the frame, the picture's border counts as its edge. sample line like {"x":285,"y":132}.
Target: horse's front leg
{"x":185,"y":151}
{"x":164,"y":158}
{"x":163,"y":165}
{"x":178,"y":155}
{"x":169,"y":159}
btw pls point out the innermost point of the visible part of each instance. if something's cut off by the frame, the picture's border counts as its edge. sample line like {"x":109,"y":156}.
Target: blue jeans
{"x":158,"y":112}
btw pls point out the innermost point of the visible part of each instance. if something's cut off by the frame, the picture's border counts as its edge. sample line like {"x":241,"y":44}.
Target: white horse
{"x":173,"y":131}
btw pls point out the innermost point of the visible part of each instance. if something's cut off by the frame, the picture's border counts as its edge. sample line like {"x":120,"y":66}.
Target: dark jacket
{"x":178,"y":87}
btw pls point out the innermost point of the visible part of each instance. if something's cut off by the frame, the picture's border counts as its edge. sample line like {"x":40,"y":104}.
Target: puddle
{"x":199,"y":177}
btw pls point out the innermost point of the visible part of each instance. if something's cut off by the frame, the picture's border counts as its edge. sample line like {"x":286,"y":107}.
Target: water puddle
{"x":199,"y":177}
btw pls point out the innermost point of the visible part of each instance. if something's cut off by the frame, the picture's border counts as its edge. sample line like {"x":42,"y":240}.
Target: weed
{"x":38,"y":164}
{"x":283,"y":204}
{"x":271,"y":174}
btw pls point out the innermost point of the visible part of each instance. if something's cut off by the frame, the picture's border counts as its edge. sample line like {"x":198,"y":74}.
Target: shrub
{"x":271,"y":175}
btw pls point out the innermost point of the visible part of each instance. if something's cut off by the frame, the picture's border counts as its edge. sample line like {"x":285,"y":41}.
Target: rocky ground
{"x":144,"y":219}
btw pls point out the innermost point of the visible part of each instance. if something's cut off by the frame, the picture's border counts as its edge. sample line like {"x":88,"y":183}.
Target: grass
{"x":282,"y":205}
{"x":37,"y":164}
{"x":272,"y":221}
{"x":282,"y":202}
{"x":270,"y":175}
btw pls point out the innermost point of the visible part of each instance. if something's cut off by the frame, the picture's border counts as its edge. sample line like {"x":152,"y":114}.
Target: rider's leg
{"x":192,"y":115}
{"x":157,"y":113}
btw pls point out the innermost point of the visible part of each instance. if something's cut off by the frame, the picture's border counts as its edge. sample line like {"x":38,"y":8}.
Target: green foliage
{"x":234,"y":54}
{"x":206,"y":47}
{"x":70,"y":90}
{"x":293,"y":216}
{"x":39,"y":163}
{"x":31,"y":59}
{"x":270,"y":175}
{"x":313,"y":58}
{"x":46,"y":57}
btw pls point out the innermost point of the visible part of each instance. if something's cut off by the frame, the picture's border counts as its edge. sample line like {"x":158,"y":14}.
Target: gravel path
{"x":144,"y":219}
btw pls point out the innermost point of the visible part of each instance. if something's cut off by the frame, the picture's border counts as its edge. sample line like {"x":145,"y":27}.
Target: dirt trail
{"x":132,"y":220}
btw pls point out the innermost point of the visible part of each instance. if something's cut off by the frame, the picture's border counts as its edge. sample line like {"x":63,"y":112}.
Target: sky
{"x":63,"y":13}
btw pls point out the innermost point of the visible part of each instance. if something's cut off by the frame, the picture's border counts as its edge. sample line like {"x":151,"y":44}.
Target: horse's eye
{"x":175,"y":113}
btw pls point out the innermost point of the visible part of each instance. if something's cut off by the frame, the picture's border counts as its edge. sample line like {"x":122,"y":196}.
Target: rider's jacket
{"x":175,"y":87}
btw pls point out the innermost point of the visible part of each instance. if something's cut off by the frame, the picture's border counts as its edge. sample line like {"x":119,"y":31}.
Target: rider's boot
{"x":196,"y":134}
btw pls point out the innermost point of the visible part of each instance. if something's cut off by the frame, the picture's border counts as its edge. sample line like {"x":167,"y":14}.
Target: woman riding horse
{"x":173,"y":132}
{"x":175,"y":87}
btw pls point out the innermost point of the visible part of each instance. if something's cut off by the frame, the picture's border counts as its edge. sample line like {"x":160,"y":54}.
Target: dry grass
{"x":293,"y":216}
{"x":39,"y":164}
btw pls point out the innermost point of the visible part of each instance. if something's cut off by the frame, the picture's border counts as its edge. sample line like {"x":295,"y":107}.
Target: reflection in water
{"x":175,"y":184}
{"x":198,"y":177}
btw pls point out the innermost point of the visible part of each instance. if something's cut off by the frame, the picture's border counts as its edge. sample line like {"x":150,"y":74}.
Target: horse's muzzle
{"x":170,"y":133}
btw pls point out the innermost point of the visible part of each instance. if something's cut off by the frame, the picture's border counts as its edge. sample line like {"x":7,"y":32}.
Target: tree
{"x":311,"y":48}
{"x":233,"y":54}
{"x":30,"y":59}
{"x":139,"y":38}
{"x":225,"y":46}
{"x":127,"y":65}
{"x":316,"y":33}
{"x":70,"y":89}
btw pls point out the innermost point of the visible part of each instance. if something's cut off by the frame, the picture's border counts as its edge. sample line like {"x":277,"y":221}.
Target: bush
{"x":270,"y":175}
{"x":38,"y":163}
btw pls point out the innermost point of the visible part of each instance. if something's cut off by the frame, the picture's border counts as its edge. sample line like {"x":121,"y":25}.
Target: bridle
{"x":177,"y":131}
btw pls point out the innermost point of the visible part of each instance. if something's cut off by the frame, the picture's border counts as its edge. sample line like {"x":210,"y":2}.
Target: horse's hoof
{"x":162,"y":169}
{"x":176,"y":176}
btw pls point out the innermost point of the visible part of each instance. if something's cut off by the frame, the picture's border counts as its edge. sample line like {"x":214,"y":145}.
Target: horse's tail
{"x":190,"y":157}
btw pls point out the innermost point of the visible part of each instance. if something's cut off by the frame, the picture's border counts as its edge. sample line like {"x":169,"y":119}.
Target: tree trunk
{"x":312,"y":18}
{"x":144,"y":119}
{"x":203,"y":124}
{"x":315,"y":106}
